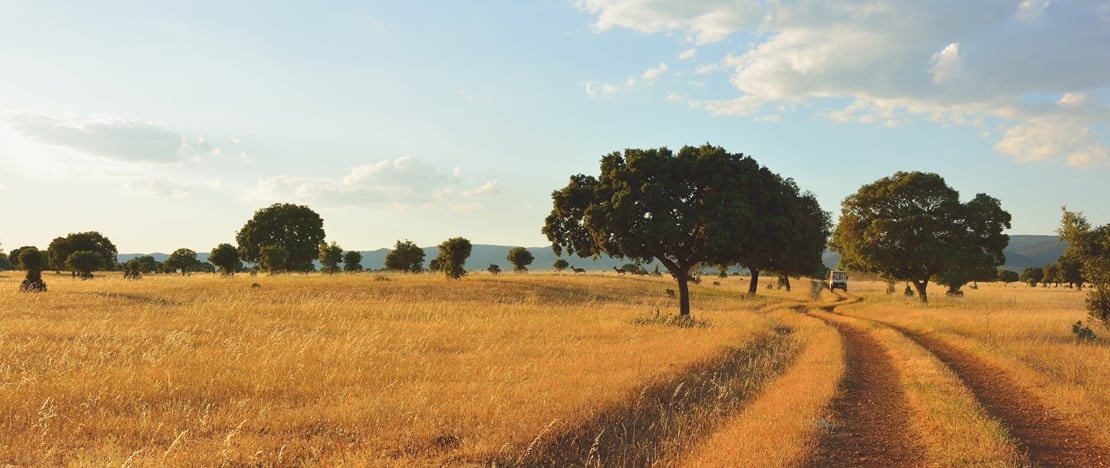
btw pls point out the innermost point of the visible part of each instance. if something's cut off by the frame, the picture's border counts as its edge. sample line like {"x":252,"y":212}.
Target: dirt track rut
{"x":872,"y":416}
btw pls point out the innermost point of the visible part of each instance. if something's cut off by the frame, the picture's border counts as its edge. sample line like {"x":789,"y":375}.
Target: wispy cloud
{"x":646,"y":78}
{"x":405,"y":181}
{"x":116,"y":138}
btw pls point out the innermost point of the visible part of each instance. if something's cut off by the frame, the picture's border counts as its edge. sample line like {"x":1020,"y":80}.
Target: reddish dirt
{"x":871,"y":425}
{"x":1048,"y":438}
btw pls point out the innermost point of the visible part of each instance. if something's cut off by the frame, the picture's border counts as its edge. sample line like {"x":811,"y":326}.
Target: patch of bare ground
{"x":871,"y":423}
{"x":656,"y":424}
{"x":1047,"y":438}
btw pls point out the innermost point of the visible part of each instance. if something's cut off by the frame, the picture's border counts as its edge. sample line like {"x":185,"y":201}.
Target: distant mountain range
{"x":1023,"y":252}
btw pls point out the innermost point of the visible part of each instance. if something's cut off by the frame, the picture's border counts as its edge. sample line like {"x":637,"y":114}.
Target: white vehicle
{"x":838,"y":279}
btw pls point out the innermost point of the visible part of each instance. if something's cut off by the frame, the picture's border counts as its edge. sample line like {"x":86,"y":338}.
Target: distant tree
{"x":494,"y":268}
{"x":352,"y":261}
{"x":225,"y":256}
{"x":405,"y":256}
{"x":1007,"y":276}
{"x":83,"y":262}
{"x":701,"y":205}
{"x":5,"y":263}
{"x":520,"y":257}
{"x":273,"y":259}
{"x":146,"y":263}
{"x":452,"y":256}
{"x":1050,"y":274}
{"x":1031,"y":275}
{"x":1069,"y":269}
{"x":183,"y":259}
{"x":1091,"y":248}
{"x":295,"y":228}
{"x":132,"y":270}
{"x":33,"y":261}
{"x":62,"y":247}
{"x":912,"y":227}
{"x":329,"y":257}
{"x":435,"y":265}
{"x":205,"y":267}
{"x":796,"y":232}
{"x":560,"y":264}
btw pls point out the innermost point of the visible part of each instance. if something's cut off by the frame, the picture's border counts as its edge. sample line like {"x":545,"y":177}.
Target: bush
{"x":1098,"y":306}
{"x":1082,"y":332}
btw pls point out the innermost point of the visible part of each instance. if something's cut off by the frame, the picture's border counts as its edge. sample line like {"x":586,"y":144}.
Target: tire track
{"x":1047,"y":438}
{"x":872,"y":425}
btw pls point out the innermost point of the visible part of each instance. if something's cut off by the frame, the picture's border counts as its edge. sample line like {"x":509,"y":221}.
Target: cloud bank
{"x":116,"y":138}
{"x":1025,"y":70}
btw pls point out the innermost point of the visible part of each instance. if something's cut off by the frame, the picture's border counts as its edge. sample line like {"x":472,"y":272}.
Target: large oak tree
{"x":295,"y":228}
{"x":698,"y":206}
{"x":912,"y":227}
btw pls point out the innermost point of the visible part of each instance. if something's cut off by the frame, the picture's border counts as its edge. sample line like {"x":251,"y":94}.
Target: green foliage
{"x":226,"y":257}
{"x":1090,"y":249}
{"x":182,"y":259}
{"x":435,"y":265}
{"x":560,"y":264}
{"x":83,"y":262}
{"x":34,"y":261}
{"x":329,"y":257}
{"x":352,"y":261}
{"x":5,"y":264}
{"x":702,"y":205}
{"x":1007,"y":276}
{"x":911,"y":226}
{"x":520,"y":257}
{"x":62,"y":247}
{"x":1050,"y":274}
{"x":295,"y":228}
{"x":273,"y":259}
{"x":452,"y":256}
{"x":405,"y":256}
{"x":494,"y":268}
{"x":132,"y":270}
{"x":1031,"y":275}
{"x":1069,"y":269}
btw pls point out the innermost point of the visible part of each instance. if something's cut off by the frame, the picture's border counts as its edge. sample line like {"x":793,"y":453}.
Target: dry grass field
{"x":358,"y":369}
{"x":535,"y":369}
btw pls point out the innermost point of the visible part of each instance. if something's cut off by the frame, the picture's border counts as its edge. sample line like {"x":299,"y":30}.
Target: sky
{"x":167,"y":124}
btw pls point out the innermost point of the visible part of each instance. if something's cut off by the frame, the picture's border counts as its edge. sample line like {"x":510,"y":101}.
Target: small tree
{"x":132,"y":270}
{"x":452,"y":256}
{"x":83,"y":262}
{"x":183,"y":259}
{"x":1051,"y":274}
{"x":1090,"y":247}
{"x":273,"y":259}
{"x":1031,"y":275}
{"x":520,"y":257}
{"x":1007,"y":276}
{"x":352,"y":261}
{"x":33,"y":261}
{"x":561,"y":265}
{"x":225,"y":256}
{"x":330,"y":256}
{"x":405,"y":256}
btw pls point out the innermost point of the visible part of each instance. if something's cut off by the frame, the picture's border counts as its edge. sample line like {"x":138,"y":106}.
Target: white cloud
{"x":947,"y":64}
{"x":654,"y":72}
{"x":158,"y":186}
{"x":688,"y":54}
{"x":115,"y":138}
{"x":1054,"y":137}
{"x":405,"y":181}
{"x":492,"y":187}
{"x":703,"y":22}
{"x":891,"y":63}
{"x":647,"y":77}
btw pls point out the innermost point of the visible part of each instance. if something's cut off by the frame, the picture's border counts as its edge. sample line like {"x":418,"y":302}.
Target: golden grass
{"x":782,"y":426}
{"x":1025,"y":331}
{"x":414,"y":369}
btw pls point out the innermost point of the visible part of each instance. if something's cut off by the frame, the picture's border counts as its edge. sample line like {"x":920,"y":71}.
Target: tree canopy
{"x":61,"y":248}
{"x":83,"y":262}
{"x":226,"y":257}
{"x":452,"y":257}
{"x":329,"y":257}
{"x":352,"y":261}
{"x":912,"y":227}
{"x":1090,"y":248}
{"x":183,"y":259}
{"x":32,"y":260}
{"x":405,"y":256}
{"x":295,"y":228}
{"x":520,"y":257}
{"x":701,"y":205}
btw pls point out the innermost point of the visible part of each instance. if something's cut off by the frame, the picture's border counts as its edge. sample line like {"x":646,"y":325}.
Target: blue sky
{"x":167,"y":124}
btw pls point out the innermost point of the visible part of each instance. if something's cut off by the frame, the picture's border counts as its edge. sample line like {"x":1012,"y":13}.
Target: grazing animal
{"x":577,"y":270}
{"x":619,"y":270}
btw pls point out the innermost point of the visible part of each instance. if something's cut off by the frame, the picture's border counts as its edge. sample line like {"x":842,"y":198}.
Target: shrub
{"x":1082,"y":332}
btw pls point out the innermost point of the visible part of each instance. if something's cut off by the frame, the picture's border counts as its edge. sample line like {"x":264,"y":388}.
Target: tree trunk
{"x":683,"y":295}
{"x":920,"y":286}
{"x":785,"y":282}
{"x":753,"y":287}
